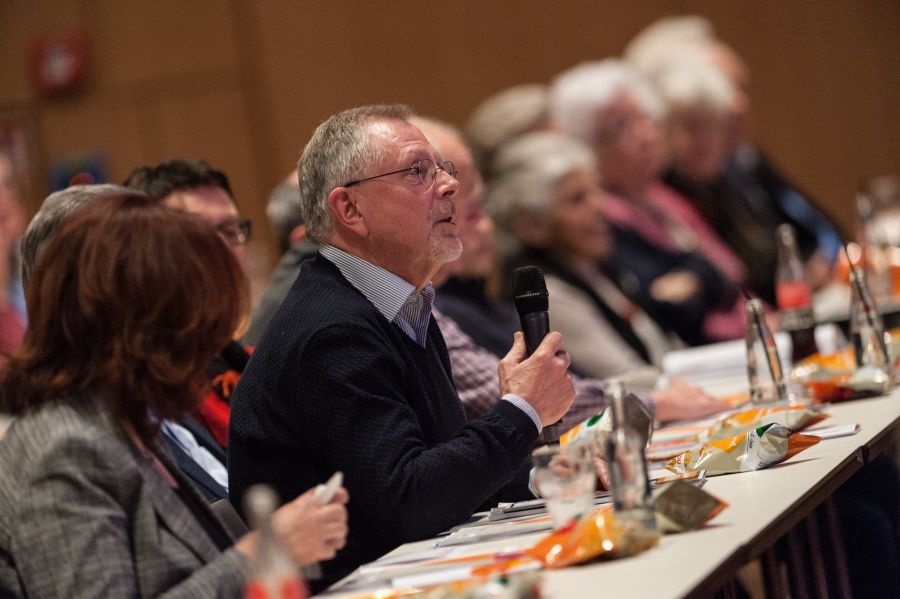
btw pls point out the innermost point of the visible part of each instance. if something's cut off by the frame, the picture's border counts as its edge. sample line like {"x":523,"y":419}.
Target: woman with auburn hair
{"x":125,"y":310}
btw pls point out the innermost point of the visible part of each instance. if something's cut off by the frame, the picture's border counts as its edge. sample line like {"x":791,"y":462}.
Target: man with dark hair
{"x":352,"y":373}
{"x":194,"y":186}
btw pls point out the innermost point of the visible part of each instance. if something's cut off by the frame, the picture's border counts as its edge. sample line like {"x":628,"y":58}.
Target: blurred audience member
{"x":87,"y":487}
{"x":503,"y":117}
{"x":12,"y":297}
{"x":477,"y":328}
{"x":550,"y":211}
{"x":670,"y":44}
{"x":682,"y":267}
{"x":196,"y":187}
{"x":286,"y":219}
{"x":463,"y":295}
{"x":700,"y":100}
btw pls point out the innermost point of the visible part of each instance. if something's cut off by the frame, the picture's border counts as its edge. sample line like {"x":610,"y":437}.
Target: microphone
{"x":532,"y":302}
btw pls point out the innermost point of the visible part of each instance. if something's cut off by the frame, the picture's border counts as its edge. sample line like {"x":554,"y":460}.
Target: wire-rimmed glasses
{"x":235,"y":232}
{"x":425,"y":168}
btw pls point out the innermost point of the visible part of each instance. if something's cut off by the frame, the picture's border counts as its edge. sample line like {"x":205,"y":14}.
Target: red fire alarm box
{"x":59,"y":61}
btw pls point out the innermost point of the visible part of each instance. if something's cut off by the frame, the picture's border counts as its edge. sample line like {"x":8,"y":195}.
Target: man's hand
{"x":543,"y":379}
{"x":680,"y":287}
{"x":685,"y":402}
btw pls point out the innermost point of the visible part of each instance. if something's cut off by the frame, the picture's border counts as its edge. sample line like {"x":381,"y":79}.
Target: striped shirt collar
{"x":395,"y":298}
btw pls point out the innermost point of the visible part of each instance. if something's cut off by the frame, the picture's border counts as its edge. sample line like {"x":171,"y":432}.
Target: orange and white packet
{"x":754,"y":450}
{"x":795,"y":418}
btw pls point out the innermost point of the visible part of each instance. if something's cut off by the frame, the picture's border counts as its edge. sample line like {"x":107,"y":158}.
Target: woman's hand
{"x":310,"y":530}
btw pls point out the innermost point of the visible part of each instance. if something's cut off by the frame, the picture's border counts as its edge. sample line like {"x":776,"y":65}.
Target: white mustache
{"x":444,"y":213}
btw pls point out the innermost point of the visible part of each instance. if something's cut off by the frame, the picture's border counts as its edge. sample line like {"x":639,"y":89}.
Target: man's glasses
{"x":235,"y":232}
{"x":426,"y":169}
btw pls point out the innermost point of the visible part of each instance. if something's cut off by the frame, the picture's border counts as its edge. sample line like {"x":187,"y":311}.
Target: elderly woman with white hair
{"x":700,"y":100}
{"x":549,"y":212}
{"x":680,"y":264}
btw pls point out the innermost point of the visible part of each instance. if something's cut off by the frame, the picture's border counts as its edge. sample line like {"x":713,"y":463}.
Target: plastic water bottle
{"x":866,"y":325}
{"x":627,"y":464}
{"x":272,"y":573}
{"x":763,"y":364}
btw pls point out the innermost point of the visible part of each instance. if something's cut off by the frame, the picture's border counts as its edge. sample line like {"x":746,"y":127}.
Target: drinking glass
{"x":566,"y":478}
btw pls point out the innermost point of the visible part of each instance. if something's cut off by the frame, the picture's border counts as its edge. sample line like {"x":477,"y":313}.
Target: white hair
{"x":504,"y":116}
{"x":53,"y":213}
{"x":528,"y":170}
{"x":581,"y":93}
{"x":696,"y":84}
{"x":651,"y":50}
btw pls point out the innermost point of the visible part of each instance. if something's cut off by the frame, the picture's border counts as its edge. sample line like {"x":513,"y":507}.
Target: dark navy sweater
{"x":333,"y":385}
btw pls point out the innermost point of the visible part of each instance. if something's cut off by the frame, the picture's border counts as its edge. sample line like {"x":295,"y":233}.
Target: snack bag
{"x":599,"y":535}
{"x":681,"y":506}
{"x":794,"y":418}
{"x":753,"y":450}
{"x":595,"y":429}
{"x":592,"y":431}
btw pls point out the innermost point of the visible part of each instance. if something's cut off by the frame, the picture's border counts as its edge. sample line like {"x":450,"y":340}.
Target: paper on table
{"x":451,"y":575}
{"x":718,"y":360}
{"x":413,"y":556}
{"x":493,"y":532}
{"x":831,"y":432}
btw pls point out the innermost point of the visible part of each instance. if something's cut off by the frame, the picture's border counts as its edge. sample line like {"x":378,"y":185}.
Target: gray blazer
{"x":84,"y":514}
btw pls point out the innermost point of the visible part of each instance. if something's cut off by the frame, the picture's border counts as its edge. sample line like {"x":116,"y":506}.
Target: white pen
{"x":326,"y":491}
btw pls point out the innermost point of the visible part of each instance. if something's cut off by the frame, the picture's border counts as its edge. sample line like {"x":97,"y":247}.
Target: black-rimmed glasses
{"x":235,"y":232}
{"x":426,"y":169}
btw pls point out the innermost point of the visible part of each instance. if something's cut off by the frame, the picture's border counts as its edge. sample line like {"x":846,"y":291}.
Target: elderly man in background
{"x":286,"y":219}
{"x":352,"y":373}
{"x":477,"y":328}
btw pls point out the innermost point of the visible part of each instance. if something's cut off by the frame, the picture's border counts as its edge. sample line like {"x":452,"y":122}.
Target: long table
{"x":763,"y":507}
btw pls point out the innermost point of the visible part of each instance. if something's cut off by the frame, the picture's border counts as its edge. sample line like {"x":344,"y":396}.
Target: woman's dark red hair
{"x":130,"y":300}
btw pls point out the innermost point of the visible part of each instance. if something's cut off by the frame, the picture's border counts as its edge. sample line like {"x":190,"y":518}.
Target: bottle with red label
{"x":793,"y":296}
{"x":272,"y":573}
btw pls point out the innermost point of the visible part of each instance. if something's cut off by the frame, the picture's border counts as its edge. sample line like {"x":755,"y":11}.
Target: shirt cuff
{"x":532,"y":486}
{"x":525,"y":407}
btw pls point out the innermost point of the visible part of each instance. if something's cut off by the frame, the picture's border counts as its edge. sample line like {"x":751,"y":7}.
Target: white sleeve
{"x":595,"y":346}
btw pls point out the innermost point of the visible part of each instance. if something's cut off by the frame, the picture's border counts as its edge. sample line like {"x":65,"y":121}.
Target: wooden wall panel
{"x":159,"y":42}
{"x":72,"y":127}
{"x":213,"y":127}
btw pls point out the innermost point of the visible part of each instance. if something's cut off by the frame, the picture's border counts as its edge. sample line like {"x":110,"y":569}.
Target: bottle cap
{"x":857,"y":273}
{"x":754,"y":307}
{"x":260,"y":501}
{"x":786,"y":234}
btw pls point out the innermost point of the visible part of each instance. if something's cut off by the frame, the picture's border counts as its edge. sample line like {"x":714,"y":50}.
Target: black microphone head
{"x":530,"y":290}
